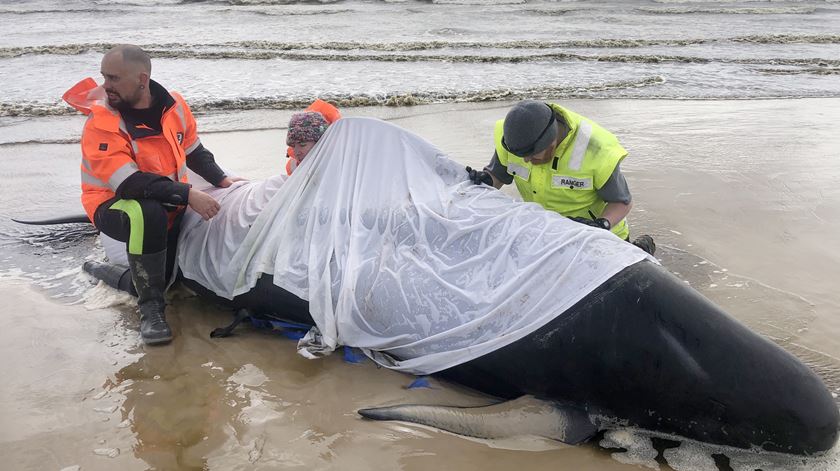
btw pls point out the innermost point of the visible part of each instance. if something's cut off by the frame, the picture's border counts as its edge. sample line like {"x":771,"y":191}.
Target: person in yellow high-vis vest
{"x":566,"y":163}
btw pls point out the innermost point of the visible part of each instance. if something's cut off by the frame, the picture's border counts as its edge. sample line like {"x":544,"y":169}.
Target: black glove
{"x":600,"y":223}
{"x":479,"y":176}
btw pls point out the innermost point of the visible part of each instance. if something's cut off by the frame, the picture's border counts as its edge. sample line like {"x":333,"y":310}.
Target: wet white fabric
{"x":206,"y":249}
{"x":397,"y":253}
{"x":114,"y":250}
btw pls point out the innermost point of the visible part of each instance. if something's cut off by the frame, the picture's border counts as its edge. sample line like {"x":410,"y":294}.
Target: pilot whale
{"x":642,"y":350}
{"x":521,"y":301}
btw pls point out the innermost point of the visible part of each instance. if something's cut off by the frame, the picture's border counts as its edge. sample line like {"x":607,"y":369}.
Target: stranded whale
{"x":379,"y":242}
{"x":642,"y":350}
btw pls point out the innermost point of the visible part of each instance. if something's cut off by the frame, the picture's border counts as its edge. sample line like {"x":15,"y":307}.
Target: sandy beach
{"x":740,"y":196}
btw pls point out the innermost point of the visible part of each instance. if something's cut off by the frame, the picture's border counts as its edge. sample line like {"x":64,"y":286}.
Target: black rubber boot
{"x":646,"y":243}
{"x":115,"y":276}
{"x":149,"y":274}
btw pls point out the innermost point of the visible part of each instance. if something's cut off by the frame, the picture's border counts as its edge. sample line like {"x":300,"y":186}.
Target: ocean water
{"x":238,"y":55}
{"x":264,"y":54}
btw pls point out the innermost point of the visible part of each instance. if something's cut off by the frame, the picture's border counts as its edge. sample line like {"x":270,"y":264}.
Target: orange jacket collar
{"x":88,"y":97}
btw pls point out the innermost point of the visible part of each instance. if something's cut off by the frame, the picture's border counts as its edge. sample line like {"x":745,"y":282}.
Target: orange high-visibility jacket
{"x":330,"y":114}
{"x":110,"y":154}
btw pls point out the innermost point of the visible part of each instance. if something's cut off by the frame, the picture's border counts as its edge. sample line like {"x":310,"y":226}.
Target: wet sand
{"x":740,"y":196}
{"x":56,"y":402}
{"x":84,"y":389}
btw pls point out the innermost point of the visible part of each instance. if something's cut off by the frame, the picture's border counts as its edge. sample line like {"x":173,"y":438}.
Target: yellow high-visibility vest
{"x":582,"y":163}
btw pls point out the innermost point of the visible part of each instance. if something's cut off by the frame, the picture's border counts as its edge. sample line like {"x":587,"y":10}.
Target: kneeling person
{"x":566,"y":163}
{"x":305,"y":129}
{"x":137,"y":144}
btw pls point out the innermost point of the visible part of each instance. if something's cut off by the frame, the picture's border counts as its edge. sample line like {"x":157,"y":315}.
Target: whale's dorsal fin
{"x":526,"y":415}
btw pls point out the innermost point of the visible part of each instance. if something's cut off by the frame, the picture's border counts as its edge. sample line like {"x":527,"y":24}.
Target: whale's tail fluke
{"x":524,"y":416}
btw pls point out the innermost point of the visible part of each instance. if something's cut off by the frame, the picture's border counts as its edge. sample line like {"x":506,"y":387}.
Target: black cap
{"x":528,"y":128}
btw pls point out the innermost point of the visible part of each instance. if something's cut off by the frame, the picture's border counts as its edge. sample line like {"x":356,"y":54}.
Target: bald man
{"x":137,"y":144}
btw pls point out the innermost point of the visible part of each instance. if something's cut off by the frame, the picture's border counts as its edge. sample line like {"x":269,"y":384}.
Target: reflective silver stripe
{"x":581,"y":143}
{"x":86,"y":164}
{"x":180,"y":110}
{"x":172,"y":177}
{"x":121,"y":174}
{"x":193,"y":147}
{"x":182,"y":170}
{"x":91,"y":180}
{"x":519,"y":171}
{"x":124,"y":129}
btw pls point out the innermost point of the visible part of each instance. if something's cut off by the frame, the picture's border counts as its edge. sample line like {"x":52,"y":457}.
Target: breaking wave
{"x":276,"y":51}
{"x":803,"y":71}
{"x":17,"y":11}
{"x":477,"y":2}
{"x":362,"y":99}
{"x":730,"y":11}
{"x":35,"y":109}
{"x":789,"y":39}
{"x":299,"y":13}
{"x":40,"y":141}
{"x":64,"y":49}
{"x":264,"y":47}
{"x":549,"y":12}
{"x":495,"y":59}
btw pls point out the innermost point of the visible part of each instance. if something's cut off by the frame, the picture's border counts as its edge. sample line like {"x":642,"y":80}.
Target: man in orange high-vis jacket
{"x":137,"y":144}
{"x":330,"y":114}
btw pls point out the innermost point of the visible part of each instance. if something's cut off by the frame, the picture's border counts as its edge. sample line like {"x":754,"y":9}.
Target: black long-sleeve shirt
{"x":157,"y":187}
{"x":153,"y":186}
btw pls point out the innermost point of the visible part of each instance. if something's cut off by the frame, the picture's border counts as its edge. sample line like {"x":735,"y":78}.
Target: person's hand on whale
{"x":479,"y":176}
{"x":202,"y":203}
{"x":228,"y":181}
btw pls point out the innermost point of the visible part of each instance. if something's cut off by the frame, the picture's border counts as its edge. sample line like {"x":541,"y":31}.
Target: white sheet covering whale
{"x":397,"y":253}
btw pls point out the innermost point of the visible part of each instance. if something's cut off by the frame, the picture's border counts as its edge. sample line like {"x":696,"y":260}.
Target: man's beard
{"x":122,"y":103}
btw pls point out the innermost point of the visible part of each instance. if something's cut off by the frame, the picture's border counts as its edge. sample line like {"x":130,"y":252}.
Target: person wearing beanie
{"x":565,"y":162}
{"x":305,"y":129}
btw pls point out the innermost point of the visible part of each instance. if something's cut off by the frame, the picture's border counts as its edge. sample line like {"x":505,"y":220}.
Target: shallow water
{"x":728,"y":206}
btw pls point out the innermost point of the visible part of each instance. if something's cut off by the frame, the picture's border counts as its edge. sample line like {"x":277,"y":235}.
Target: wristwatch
{"x":603,"y":223}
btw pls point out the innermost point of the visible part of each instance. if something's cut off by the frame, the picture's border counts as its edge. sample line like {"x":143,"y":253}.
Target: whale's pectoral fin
{"x":524,"y":416}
